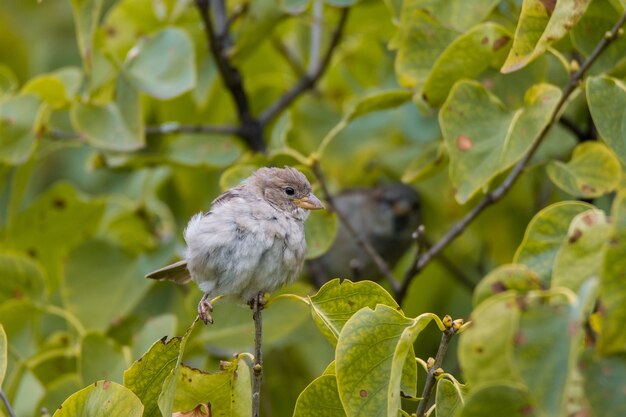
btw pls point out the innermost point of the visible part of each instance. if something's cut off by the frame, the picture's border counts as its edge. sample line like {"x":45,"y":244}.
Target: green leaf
{"x":382,"y":100}
{"x":167,"y":395}
{"x":8,"y":81}
{"x":498,"y":400}
{"x":371,"y":353}
{"x":49,"y":89}
{"x":21,"y":277}
{"x":484,"y":140}
{"x":320,"y":230}
{"x":341,"y":3}
{"x":3,"y":354}
{"x":448,"y":398}
{"x":582,"y":251}
{"x":593,"y":171}
{"x":42,"y":229}
{"x":545,"y":347}
{"x":117,"y":277}
{"x":420,"y":40}
{"x":612,"y":295}
{"x":320,"y":399}
{"x":146,"y":376}
{"x":486,"y":347}
{"x":17,"y":128}
{"x":116,"y":126}
{"x":467,"y":56}
{"x":100,"y":358}
{"x":215,"y":151}
{"x":228,"y":391}
{"x":455,"y":13}
{"x":541,"y":23}
{"x":605,"y":381}
{"x":155,"y":328}
{"x":102,"y":399}
{"x":234,"y":175}
{"x":86,"y":17}
{"x":162,"y":64}
{"x":544,"y":235}
{"x":607,"y":103}
{"x":337,"y":301}
{"x":516,"y":277}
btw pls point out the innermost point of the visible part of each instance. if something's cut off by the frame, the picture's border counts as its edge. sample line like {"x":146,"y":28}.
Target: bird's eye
{"x":290,"y":191}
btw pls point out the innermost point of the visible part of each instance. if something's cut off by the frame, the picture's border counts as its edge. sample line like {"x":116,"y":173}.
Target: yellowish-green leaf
{"x":100,"y":358}
{"x":18,"y":116}
{"x":541,"y":23}
{"x":448,"y":398}
{"x":86,"y":17}
{"x":102,"y":399}
{"x":338,"y":300}
{"x":8,"y":81}
{"x":146,"y":376}
{"x":21,"y":277}
{"x":605,"y":379}
{"x":516,"y":277}
{"x":48,"y":88}
{"x":320,"y":230}
{"x":607,"y":103}
{"x":483,"y":139}
{"x":162,"y":64}
{"x":544,"y":235}
{"x":372,"y":351}
{"x":612,"y":294}
{"x":116,"y":278}
{"x":320,"y":399}
{"x":593,"y":171}
{"x":467,"y":56}
{"x":581,"y":253}
{"x":432,"y":155}
{"x":486,"y":347}
{"x":116,"y":126}
{"x":229,"y":391}
{"x":457,"y":14}
{"x":511,"y":400}
{"x":234,"y":175}
{"x":215,"y":151}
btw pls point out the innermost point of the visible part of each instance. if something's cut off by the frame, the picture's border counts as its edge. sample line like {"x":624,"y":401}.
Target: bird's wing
{"x":176,"y":272}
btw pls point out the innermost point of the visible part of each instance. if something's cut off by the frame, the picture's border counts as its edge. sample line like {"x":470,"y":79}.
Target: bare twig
{"x":168,"y":128}
{"x":309,"y":80}
{"x":290,"y":56}
{"x":434,"y":369}
{"x":514,"y":174}
{"x":7,"y":405}
{"x":363,"y":243}
{"x":580,"y":134}
{"x":257,"y":368}
{"x":250,"y":129}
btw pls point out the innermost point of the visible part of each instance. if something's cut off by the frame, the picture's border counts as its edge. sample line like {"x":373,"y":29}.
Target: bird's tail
{"x":176,"y":272}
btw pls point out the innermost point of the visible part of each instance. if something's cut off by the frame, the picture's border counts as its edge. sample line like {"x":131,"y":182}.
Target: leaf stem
{"x":458,"y":228}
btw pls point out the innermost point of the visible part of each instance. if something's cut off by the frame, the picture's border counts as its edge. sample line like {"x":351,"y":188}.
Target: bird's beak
{"x":310,"y":203}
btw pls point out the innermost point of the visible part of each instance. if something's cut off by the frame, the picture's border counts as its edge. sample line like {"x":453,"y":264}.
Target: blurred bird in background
{"x":386,"y":216}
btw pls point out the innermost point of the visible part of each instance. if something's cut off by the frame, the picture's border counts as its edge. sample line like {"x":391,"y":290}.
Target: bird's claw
{"x":204,"y":309}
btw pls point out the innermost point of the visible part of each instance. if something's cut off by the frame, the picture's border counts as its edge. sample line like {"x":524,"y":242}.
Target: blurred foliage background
{"x":97,"y":193}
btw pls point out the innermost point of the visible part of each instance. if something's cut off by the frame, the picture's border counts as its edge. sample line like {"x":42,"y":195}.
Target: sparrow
{"x":250,"y":242}
{"x":386,"y":216}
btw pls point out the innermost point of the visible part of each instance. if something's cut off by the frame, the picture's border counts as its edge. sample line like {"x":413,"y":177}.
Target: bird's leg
{"x":258,"y":301}
{"x":204,"y":309}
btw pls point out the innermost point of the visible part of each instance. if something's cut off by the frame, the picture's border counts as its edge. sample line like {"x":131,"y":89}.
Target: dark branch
{"x":363,"y":243}
{"x":250,"y":130}
{"x":7,"y":405}
{"x":257,"y":369}
{"x":433,"y":370}
{"x":580,"y":134}
{"x":514,"y":174}
{"x":309,"y":80}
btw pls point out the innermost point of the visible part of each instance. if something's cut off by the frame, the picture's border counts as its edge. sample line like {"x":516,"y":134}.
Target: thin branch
{"x":250,"y":130}
{"x":580,"y":134}
{"x":434,"y":370}
{"x":257,"y":369}
{"x":363,"y":243}
{"x":309,"y":80}
{"x":517,"y":170}
{"x":7,"y":405}
{"x":167,"y":128}
{"x":290,"y":56}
